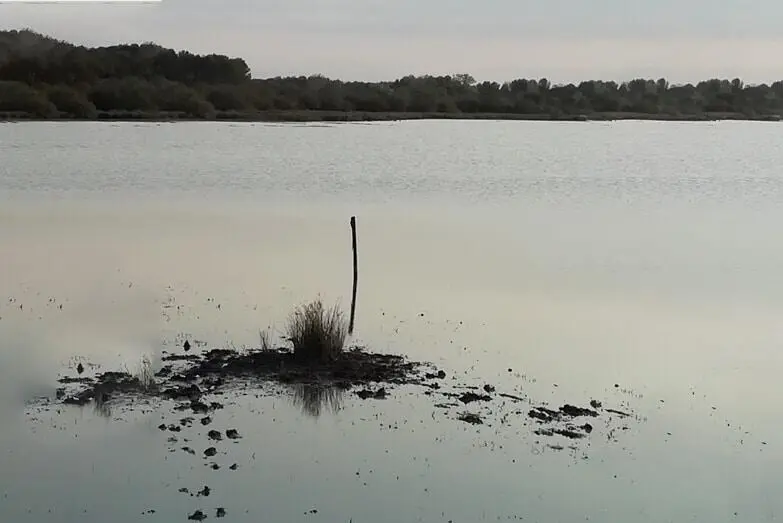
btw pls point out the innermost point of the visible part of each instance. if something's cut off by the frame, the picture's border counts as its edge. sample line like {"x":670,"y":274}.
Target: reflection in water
{"x":101,"y":404}
{"x":314,"y":398}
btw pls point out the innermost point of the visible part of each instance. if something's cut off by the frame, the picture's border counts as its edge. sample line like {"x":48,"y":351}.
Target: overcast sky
{"x":564,"y":40}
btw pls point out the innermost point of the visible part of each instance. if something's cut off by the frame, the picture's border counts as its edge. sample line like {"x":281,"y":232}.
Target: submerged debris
{"x":435,"y":375}
{"x":559,"y":421}
{"x":470,"y":397}
{"x":570,"y":410}
{"x":470,"y":417}
{"x":379,"y":394}
{"x":566,"y":412}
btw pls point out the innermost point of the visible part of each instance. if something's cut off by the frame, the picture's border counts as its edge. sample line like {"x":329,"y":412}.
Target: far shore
{"x":303,"y":116}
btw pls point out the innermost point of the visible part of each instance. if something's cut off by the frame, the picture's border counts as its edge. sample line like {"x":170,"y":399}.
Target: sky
{"x":563,"y":40}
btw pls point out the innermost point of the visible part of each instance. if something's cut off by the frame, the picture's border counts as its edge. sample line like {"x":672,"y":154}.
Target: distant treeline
{"x":46,"y":78}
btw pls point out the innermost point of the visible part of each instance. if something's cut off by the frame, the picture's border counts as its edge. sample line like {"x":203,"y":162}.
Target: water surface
{"x":580,"y":256}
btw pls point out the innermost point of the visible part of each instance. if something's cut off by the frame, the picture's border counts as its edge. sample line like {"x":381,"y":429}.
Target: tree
{"x":42,"y":76}
{"x":18,"y":96}
{"x":71,"y":102}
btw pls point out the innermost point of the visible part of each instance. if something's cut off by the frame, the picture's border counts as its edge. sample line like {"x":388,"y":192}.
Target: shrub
{"x":123,"y":94}
{"x":173,"y":96}
{"x":16,"y":96}
{"x":70,"y":101}
{"x":317,"y":333}
{"x":227,"y":98}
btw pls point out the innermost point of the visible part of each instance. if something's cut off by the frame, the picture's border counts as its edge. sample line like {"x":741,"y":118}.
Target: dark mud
{"x":186,"y":378}
{"x":102,"y":388}
{"x":193,"y":381}
{"x":353,"y":367}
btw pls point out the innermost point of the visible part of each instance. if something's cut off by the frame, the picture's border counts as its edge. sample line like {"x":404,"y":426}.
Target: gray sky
{"x":564,"y":40}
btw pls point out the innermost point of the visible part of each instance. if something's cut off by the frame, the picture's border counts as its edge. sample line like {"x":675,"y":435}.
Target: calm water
{"x":578,"y":255}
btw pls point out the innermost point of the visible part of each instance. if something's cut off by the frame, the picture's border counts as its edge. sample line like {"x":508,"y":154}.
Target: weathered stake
{"x":355,"y":274}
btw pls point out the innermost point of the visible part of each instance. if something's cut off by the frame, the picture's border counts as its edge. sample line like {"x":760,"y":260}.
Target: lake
{"x":634,"y":263}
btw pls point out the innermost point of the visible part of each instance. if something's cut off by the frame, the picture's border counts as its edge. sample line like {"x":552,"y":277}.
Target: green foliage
{"x":71,"y":102}
{"x":317,"y":333}
{"x":147,"y":78}
{"x":227,"y":98}
{"x":17,"y":96}
{"x":128,"y":93}
{"x":176,"y":97}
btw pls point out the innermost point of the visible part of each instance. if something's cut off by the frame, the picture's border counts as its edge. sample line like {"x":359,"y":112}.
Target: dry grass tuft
{"x":317,"y":333}
{"x":145,"y":374}
{"x":265,"y":339}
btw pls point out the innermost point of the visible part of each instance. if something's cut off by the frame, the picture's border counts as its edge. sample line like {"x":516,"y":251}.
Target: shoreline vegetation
{"x":45,"y":79}
{"x":318,"y":116}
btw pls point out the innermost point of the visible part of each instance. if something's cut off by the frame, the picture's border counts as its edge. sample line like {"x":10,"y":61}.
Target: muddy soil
{"x":188,"y":379}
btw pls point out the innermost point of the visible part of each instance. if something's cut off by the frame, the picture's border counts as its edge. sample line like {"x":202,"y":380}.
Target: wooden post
{"x":355,"y":274}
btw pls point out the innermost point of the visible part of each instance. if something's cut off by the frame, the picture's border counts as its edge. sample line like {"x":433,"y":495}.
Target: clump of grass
{"x":145,"y":374}
{"x":265,"y":338}
{"x":316,"y":332}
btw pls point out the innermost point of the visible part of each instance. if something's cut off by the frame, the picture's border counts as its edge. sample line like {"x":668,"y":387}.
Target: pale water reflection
{"x":551,"y":261}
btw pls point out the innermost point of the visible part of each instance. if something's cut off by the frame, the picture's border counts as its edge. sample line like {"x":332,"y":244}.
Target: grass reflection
{"x":315,"y":399}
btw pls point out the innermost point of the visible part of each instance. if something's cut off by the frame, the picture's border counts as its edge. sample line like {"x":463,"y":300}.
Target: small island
{"x":42,"y":78}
